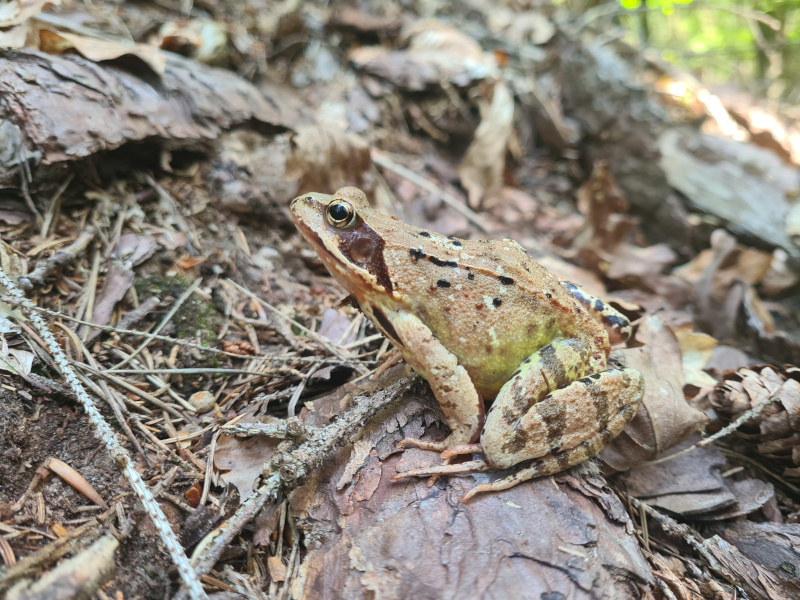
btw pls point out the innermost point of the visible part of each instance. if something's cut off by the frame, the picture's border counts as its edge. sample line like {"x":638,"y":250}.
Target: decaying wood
{"x":61,"y":258}
{"x":57,"y":108}
{"x":651,"y":157}
{"x":77,"y":578}
{"x":75,"y":541}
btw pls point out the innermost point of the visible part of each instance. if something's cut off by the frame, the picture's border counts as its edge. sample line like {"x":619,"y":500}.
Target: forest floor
{"x":150,"y":269}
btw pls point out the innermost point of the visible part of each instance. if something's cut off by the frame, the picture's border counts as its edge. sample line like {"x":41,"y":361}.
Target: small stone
{"x":203,"y":401}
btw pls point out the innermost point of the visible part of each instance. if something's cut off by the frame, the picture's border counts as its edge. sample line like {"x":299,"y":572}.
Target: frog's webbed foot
{"x":422,"y":444}
{"x":473,"y":466}
{"x":448,"y":454}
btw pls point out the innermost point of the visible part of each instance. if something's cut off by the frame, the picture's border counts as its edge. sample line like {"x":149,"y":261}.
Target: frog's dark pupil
{"x":339,"y":212}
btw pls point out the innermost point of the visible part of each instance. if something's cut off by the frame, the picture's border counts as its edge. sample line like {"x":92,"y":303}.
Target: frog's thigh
{"x":459,"y":400}
{"x":615,"y":323}
{"x":588,"y":412}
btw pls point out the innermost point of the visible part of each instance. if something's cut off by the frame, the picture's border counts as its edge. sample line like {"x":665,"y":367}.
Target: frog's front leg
{"x":460,"y":402}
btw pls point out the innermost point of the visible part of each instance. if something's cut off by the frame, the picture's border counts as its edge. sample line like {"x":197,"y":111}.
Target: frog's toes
{"x":473,"y":466}
{"x":450,"y":453}
{"x":422,"y":444}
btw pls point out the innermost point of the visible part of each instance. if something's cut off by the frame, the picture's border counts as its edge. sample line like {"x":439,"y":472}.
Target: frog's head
{"x":338,"y":228}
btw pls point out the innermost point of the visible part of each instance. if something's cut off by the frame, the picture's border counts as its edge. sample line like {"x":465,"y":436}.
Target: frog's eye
{"x":341,"y":214}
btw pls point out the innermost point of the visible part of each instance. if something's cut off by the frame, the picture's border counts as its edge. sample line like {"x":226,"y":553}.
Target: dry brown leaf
{"x":665,"y":418}
{"x":241,"y":461}
{"x":16,"y":37}
{"x":324,"y":159}
{"x":17,"y":12}
{"x":437,"y":53}
{"x":98,"y":50}
{"x":740,"y":262}
{"x":697,"y":349}
{"x":481,"y":170}
{"x":75,"y":479}
{"x":117,"y":282}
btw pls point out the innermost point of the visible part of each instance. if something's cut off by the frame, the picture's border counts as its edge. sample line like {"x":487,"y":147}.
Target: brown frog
{"x":482,"y":321}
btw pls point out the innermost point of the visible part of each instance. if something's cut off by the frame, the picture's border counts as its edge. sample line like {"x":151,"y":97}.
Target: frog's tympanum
{"x":482,"y":321}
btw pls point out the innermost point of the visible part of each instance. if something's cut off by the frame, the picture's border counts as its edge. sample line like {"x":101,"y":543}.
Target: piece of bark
{"x":58,"y":108}
{"x":568,"y":535}
{"x":75,"y":579}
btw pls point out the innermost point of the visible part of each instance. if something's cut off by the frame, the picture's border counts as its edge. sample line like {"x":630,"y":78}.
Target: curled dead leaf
{"x":57,"y":42}
{"x":481,"y":171}
{"x":664,"y":418}
{"x":17,"y":12}
{"x":324,"y":159}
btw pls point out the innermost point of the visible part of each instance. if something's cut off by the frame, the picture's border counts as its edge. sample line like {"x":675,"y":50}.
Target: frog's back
{"x":488,"y":302}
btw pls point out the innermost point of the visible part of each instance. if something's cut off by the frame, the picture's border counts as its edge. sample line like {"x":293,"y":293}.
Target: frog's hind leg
{"x":617,"y":325}
{"x":555,"y":463}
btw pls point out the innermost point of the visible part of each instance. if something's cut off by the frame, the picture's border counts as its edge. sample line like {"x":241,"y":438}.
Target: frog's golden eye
{"x":341,"y":214}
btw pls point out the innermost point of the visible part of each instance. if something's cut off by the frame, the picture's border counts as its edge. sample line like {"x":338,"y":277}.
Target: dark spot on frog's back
{"x":442,"y":263}
{"x":497,"y":302}
{"x":470,"y":276}
{"x":443,"y":283}
{"x":598,"y":305}
{"x":416,"y":254}
{"x":386,"y":325}
{"x":425,"y":234}
{"x":505,"y":280}
{"x":363,"y":247}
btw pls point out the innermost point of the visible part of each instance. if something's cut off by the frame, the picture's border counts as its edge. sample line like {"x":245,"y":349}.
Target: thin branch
{"x":167,"y":318}
{"x":120,"y":456}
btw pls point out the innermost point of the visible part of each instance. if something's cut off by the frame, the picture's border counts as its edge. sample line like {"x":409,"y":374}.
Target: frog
{"x":484,"y":324}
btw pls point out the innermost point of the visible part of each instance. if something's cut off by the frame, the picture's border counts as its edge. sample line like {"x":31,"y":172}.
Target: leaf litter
{"x":448,"y":123}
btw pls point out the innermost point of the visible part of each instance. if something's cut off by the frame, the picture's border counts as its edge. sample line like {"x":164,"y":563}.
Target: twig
{"x":312,"y":334}
{"x":380,"y":159}
{"x":164,"y":338}
{"x":66,"y":255}
{"x":299,"y":390}
{"x":201,"y":371}
{"x":73,"y":541}
{"x":290,"y":468}
{"x":167,"y":318}
{"x":109,"y":439}
{"x":209,"y":469}
{"x":744,"y":417}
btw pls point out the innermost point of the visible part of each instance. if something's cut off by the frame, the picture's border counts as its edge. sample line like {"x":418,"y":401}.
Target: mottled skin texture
{"x":482,"y":321}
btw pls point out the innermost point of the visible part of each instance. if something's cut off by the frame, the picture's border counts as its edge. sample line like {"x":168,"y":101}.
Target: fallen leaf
{"x":664,"y":418}
{"x":241,"y":461}
{"x":16,"y":361}
{"x":98,"y":50}
{"x":16,"y":12}
{"x":324,"y":159}
{"x":481,"y":170}
{"x":697,"y":349}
